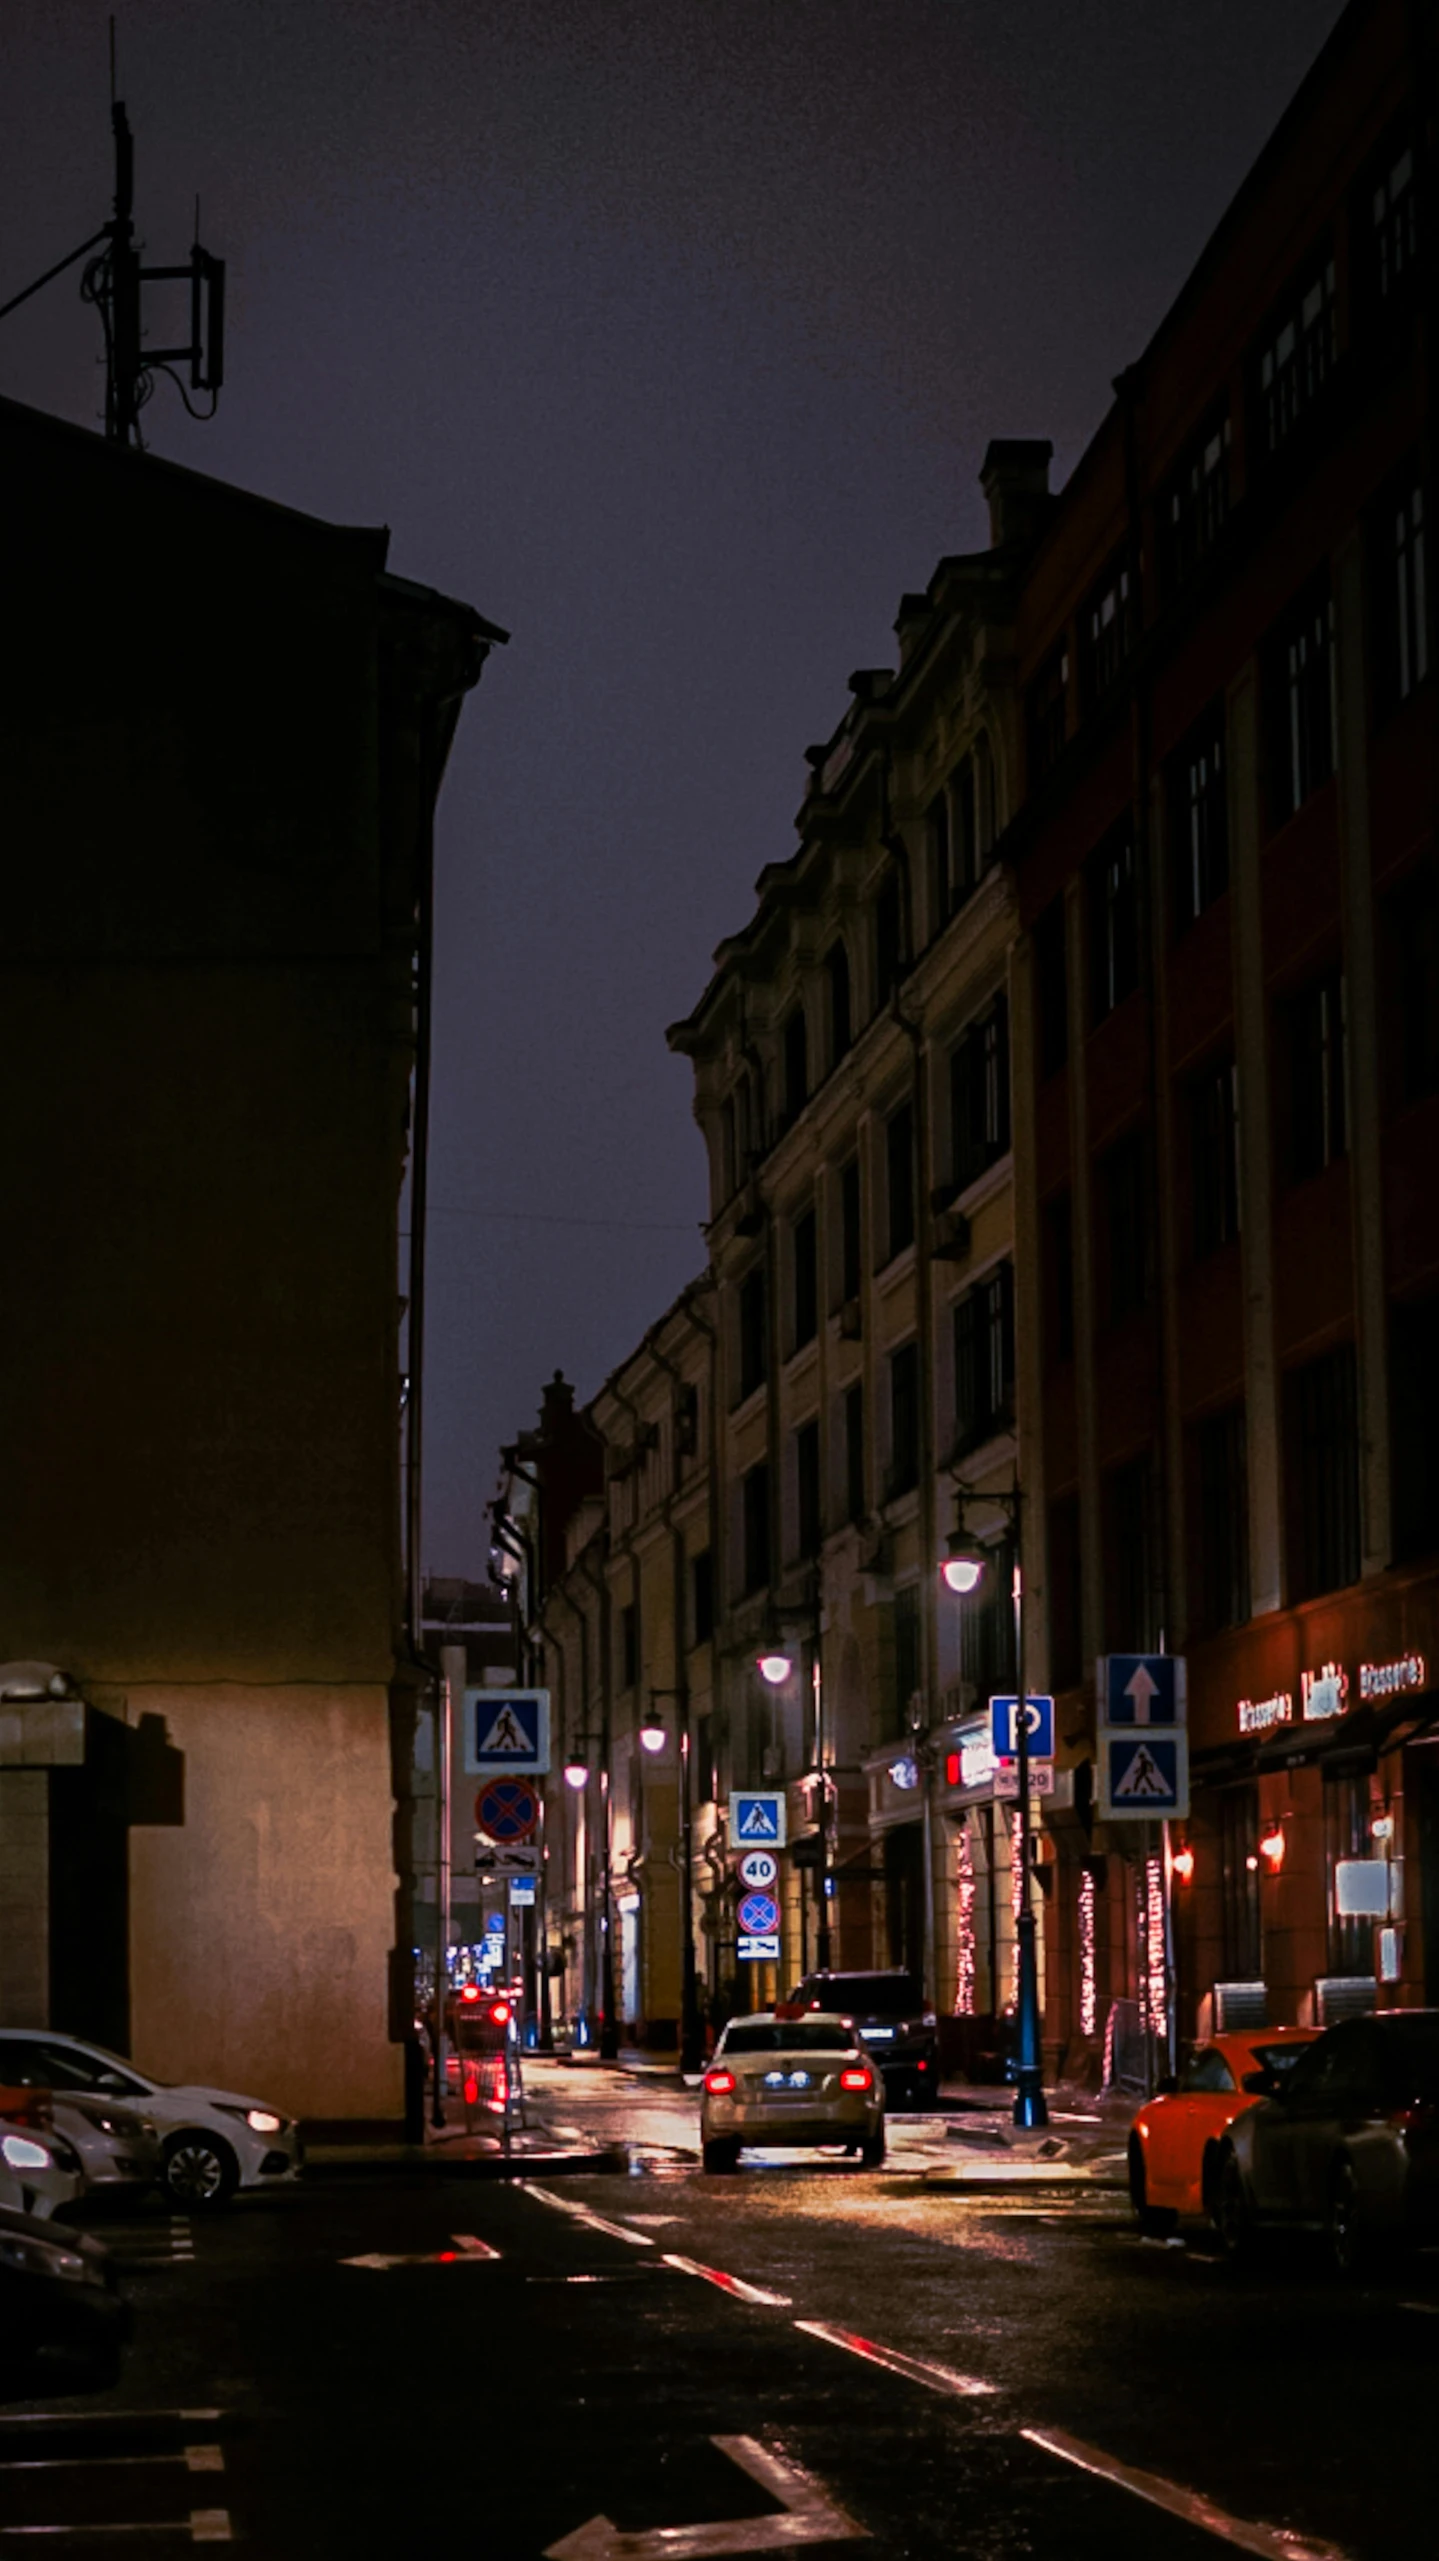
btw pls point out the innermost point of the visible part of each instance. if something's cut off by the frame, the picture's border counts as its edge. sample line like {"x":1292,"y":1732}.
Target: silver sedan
{"x":120,"y":2149}
{"x":777,"y":2081}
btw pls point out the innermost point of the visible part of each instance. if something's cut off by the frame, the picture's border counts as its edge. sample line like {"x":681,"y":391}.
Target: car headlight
{"x":19,"y":2153}
{"x":39,"y":2258}
{"x":260,"y":2120}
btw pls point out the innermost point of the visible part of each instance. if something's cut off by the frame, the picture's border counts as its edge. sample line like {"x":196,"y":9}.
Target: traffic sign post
{"x":759,"y":1916}
{"x":1143,"y":1778}
{"x":756,"y":1819}
{"x":1143,"y":1689}
{"x":757,"y":1951}
{"x":758,"y":1868}
{"x":506,"y":1730}
{"x":507,"y":1810}
{"x":1039,"y":1728}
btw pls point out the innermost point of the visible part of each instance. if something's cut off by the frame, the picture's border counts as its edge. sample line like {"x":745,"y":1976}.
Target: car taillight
{"x":719,"y":2084}
{"x":856,"y":2078}
{"x":1422,"y":2117}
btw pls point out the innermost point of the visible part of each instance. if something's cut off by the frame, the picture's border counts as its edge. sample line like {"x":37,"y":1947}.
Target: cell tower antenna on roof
{"x":113,"y":281}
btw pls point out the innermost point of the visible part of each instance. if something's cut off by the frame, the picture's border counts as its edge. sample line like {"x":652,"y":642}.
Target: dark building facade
{"x":1227,"y":874}
{"x":224,"y":729}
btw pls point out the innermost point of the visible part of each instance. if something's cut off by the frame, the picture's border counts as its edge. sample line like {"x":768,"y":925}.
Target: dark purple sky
{"x":669,"y":333}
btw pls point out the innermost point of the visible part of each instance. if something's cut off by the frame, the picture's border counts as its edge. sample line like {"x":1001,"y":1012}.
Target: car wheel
{"x":721,"y":2156}
{"x":1350,"y":2246}
{"x":1156,"y":2222}
{"x":871,"y":2151}
{"x":200,"y":2170}
{"x":1232,"y":2219}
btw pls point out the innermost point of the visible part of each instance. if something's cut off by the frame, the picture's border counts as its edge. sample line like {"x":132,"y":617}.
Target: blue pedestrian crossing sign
{"x":1039,"y":1725}
{"x":756,"y":1819}
{"x":1143,"y":1777}
{"x":1142,"y":1689}
{"x":506,"y":1730}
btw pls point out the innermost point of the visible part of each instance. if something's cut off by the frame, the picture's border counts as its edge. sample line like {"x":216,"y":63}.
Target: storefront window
{"x":1239,"y":1884}
{"x":1346,"y":1836}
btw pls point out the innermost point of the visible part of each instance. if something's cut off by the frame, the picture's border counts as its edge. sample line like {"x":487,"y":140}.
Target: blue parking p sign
{"x":1039,"y":1725}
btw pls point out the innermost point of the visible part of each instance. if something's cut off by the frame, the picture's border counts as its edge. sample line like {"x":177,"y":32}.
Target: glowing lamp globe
{"x":652,"y":1735}
{"x":775,"y":1668}
{"x":576,"y":1773}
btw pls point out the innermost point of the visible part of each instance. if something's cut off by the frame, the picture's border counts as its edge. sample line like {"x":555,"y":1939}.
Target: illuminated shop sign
{"x":970,"y":1760}
{"x":1325,"y":1692}
{"x":1257,"y":1715}
{"x":1390,"y":1680}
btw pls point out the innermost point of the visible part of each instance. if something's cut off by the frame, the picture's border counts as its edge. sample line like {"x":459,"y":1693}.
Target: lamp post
{"x":652,"y":1736}
{"x":963,"y":1570}
{"x":776,"y":1667}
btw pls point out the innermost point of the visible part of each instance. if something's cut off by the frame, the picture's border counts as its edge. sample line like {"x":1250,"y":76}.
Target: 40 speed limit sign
{"x":758,"y":1869}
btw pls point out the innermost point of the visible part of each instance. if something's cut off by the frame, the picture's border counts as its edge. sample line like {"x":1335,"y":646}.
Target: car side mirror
{"x":1261,"y":2085}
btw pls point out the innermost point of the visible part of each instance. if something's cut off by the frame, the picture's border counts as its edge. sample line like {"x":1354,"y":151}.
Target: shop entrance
{"x":904,"y":1895}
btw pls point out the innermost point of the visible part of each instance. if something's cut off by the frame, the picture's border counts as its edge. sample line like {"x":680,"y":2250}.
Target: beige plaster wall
{"x":259,"y":1930}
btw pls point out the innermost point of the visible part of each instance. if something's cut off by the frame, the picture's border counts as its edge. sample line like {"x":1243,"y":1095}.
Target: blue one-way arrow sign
{"x":1142,"y":1689}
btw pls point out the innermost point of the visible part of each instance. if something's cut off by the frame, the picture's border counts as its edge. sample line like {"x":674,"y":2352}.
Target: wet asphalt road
{"x":495,"y":2404}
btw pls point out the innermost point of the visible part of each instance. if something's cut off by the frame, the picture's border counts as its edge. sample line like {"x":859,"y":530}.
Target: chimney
{"x":558,"y":1406}
{"x":1015,"y":480}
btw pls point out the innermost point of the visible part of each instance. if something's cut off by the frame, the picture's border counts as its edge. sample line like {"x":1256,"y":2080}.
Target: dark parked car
{"x":63,"y":2321}
{"x":899,"y":2034}
{"x":1346,"y":2144}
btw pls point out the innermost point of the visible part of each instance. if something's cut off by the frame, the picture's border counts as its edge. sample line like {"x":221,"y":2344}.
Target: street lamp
{"x":962,"y":1570}
{"x":577,"y":1774}
{"x":652,"y":1734}
{"x":775,"y":1668}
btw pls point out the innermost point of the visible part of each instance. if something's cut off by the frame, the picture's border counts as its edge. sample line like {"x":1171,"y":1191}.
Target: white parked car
{"x":776,"y":2080}
{"x":120,"y":2149}
{"x":212,"y":2141}
{"x":40,"y":2171}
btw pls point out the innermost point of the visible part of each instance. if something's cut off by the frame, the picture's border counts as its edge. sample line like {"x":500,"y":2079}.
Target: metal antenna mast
{"x":114,"y":283}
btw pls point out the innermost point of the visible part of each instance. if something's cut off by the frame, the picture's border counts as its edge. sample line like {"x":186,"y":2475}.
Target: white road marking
{"x":654,"y":2219}
{"x":918,"y":2369}
{"x":196,"y":2458}
{"x":468,"y":2251}
{"x":203,"y":2525}
{"x":1419,"y":2307}
{"x":729,"y":2284}
{"x":1272,"y":2543}
{"x":585,"y":2214}
{"x":808,"y":2515}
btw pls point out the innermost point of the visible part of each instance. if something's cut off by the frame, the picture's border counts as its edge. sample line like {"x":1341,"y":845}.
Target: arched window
{"x":841,"y":1028}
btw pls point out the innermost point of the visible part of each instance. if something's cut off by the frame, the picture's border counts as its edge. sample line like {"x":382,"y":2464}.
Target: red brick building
{"x":1230,"y":1100}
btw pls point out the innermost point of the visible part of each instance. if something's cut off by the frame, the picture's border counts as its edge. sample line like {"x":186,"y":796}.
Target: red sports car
{"x":1175,"y":2139}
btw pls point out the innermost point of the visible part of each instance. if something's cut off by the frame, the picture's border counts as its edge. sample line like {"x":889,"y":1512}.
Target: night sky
{"x":669,"y":334}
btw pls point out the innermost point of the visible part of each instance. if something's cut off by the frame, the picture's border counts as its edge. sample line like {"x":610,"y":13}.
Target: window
{"x":1223,"y":1467}
{"x":979,"y":1095}
{"x":1300,"y":679}
{"x":1214,"y":1157}
{"x":702,"y":1598}
{"x":1346,"y":1836}
{"x":899,"y":1179}
{"x":906,"y":1655}
{"x":728,"y":1149}
{"x":1318,"y":1133}
{"x":841,"y":1032}
{"x":988,"y":1625}
{"x":796,"y":1065}
{"x":984,"y":1359}
{"x":754,"y":1496}
{"x":1239,"y":1935}
{"x":1051,"y":989}
{"x":1297,"y":353}
{"x":1126,"y":1199}
{"x":941,"y":872}
{"x":1195,"y":507}
{"x":986,"y":815}
{"x":1207,"y":2073}
{"x":903,"y":1420}
{"x":1106,"y":633}
{"x":1414,"y":1425}
{"x":1400,"y":616}
{"x":1063,"y":1575}
{"x":1323,"y":1475}
{"x":890,"y":937}
{"x":1199,"y":820}
{"x":753,"y":1344}
{"x":849,"y":1230}
{"x":1416,"y":918}
{"x":1113,"y":922}
{"x":966,"y":839}
{"x":804,"y":1243}
{"x":854,"y":1488}
{"x":1057,"y":1229}
{"x":1047,"y":714}
{"x":806,"y":1461}
{"x":1133,"y":1558}
{"x":1393,"y":228}
{"x":629,"y":1646}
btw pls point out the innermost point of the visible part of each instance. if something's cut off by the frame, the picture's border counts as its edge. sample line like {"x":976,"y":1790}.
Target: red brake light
{"x":856,"y":2076}
{"x":720,"y":2083}
{"x":500,"y":2013}
{"x":469,"y":1991}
